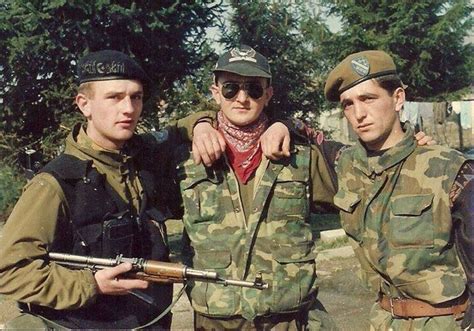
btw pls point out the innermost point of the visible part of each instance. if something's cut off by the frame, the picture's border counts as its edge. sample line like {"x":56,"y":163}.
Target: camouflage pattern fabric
{"x":275,"y":240}
{"x":395,"y":208}
{"x":382,"y":320}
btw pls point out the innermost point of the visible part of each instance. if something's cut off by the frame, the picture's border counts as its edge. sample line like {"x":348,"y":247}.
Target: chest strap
{"x":412,"y":308}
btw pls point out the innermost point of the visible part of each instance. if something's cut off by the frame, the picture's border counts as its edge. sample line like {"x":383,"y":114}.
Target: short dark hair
{"x":389,"y":83}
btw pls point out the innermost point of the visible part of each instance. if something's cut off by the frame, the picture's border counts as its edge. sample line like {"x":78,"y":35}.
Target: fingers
{"x":419,"y":135}
{"x":208,"y":144}
{"x":275,"y":142}
{"x":109,"y":281}
{"x":423,"y":139}
{"x":286,"y":146}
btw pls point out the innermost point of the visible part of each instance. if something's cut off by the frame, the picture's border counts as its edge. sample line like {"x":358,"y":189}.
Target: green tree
{"x":426,"y":39}
{"x":42,"y":40}
{"x":288,"y":33}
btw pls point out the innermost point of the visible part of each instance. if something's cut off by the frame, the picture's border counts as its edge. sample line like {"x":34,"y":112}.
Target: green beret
{"x":355,"y":69}
{"x":244,"y":61}
{"x":110,"y":65}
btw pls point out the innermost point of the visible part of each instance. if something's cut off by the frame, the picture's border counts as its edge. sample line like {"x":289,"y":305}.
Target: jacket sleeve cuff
{"x":187,"y":124}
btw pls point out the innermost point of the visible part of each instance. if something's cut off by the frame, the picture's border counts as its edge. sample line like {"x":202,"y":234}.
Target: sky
{"x":333,"y":23}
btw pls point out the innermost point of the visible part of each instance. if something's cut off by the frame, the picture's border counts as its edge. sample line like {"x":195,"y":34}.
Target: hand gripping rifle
{"x":154,"y":271}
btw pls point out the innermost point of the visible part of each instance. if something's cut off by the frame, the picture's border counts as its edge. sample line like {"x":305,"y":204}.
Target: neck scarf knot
{"x":244,"y":152}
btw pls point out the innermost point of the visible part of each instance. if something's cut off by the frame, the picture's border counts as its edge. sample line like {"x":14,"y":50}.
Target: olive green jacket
{"x":29,"y":232}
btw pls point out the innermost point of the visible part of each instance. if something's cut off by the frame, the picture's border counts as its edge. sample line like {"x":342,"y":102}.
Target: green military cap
{"x":355,"y":69}
{"x":244,"y":61}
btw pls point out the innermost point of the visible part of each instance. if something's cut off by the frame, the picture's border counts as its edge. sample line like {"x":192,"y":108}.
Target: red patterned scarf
{"x":244,"y":152}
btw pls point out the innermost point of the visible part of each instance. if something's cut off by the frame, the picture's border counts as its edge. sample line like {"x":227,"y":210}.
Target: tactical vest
{"x":101,"y":224}
{"x":398,"y":217}
{"x":275,"y":240}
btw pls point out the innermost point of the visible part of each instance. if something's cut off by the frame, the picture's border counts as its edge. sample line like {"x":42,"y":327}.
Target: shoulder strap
{"x":67,"y":169}
{"x":67,"y":166}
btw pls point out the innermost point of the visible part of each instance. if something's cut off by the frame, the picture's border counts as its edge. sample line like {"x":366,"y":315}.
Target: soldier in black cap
{"x":107,"y":194}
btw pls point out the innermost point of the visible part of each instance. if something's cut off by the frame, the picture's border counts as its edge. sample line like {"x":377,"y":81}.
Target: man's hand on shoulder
{"x":275,"y":141}
{"x":208,"y":144}
{"x":423,"y":139}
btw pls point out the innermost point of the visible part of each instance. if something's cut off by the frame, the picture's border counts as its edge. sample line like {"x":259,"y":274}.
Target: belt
{"x":401,"y":307}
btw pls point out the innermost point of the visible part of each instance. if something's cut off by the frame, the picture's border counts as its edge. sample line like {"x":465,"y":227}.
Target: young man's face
{"x":373,"y":114}
{"x":112,"y":109}
{"x":244,"y":107}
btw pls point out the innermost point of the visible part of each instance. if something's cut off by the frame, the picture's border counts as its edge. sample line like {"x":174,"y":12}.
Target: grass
{"x":341,"y":242}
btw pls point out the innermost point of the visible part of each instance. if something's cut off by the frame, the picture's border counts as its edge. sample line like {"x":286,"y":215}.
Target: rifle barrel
{"x":88,"y":260}
{"x":157,"y":269}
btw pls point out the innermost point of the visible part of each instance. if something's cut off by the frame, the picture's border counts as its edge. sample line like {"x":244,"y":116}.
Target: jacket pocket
{"x":289,"y":201}
{"x":201,"y":198}
{"x":411,"y":223}
{"x":351,"y":221}
{"x":211,"y":298}
{"x":294,"y":274}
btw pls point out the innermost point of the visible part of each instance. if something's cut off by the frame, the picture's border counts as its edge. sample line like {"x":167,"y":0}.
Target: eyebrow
{"x":362,"y":95}
{"x":114,"y":92}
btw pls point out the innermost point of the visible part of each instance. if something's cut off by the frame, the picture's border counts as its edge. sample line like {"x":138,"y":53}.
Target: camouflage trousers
{"x":382,"y":320}
{"x":316,"y":319}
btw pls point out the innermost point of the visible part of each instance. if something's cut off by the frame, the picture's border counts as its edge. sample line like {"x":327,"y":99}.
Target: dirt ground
{"x":340,"y":292}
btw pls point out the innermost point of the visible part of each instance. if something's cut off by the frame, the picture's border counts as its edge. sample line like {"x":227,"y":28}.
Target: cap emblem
{"x":93,"y":67}
{"x":361,"y":65}
{"x":243,"y":55}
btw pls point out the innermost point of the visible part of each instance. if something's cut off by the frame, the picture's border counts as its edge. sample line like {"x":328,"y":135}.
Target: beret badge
{"x":360,"y":65}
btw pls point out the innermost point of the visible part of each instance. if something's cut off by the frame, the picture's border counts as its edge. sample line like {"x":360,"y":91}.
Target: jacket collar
{"x":389,"y":158}
{"x":80,"y":144}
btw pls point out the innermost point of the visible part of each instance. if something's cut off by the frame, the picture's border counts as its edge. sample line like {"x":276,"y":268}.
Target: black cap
{"x":110,"y":65}
{"x":244,"y":61}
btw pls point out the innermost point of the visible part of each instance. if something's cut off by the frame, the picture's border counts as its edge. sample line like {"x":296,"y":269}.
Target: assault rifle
{"x":154,"y":271}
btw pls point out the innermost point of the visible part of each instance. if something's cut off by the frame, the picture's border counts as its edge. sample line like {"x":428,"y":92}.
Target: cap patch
{"x":242,"y":55}
{"x":94,"y":67}
{"x":360,"y":65}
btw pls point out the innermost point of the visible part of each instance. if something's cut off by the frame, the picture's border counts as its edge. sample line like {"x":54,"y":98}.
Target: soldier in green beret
{"x":248,"y":215}
{"x":109,"y":193}
{"x":407,"y":209}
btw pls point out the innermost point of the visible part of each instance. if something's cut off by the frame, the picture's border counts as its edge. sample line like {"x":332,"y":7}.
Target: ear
{"x":268,"y":95}
{"x":83,"y":102}
{"x":216,"y":93}
{"x":399,"y":98}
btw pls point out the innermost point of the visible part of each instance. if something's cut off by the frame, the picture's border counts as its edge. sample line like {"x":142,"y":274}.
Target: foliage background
{"x":41,"y":41}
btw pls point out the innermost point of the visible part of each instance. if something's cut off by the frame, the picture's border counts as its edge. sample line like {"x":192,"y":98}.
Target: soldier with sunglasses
{"x":248,"y":215}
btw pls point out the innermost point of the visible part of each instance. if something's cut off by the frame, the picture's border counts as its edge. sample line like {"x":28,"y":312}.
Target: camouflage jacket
{"x":395,"y":208}
{"x":275,"y":240}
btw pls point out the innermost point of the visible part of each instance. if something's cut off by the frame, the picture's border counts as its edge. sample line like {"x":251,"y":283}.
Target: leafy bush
{"x":11,"y":183}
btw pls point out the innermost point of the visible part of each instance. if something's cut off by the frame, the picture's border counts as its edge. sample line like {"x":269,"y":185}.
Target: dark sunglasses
{"x":253,"y":89}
